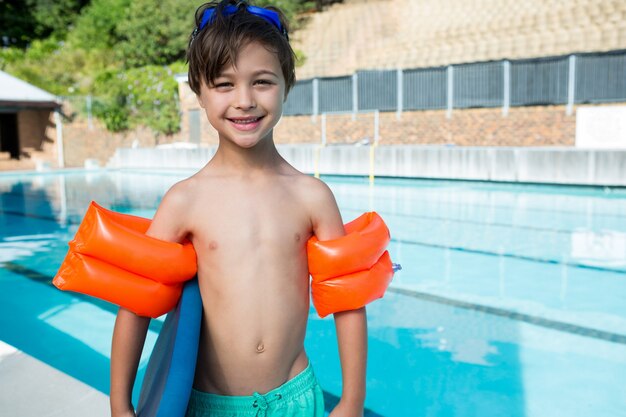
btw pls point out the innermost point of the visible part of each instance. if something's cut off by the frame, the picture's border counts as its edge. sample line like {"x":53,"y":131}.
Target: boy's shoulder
{"x":311,"y":189}
{"x":311,"y":183}
{"x":182,"y":193}
{"x":320,"y":204}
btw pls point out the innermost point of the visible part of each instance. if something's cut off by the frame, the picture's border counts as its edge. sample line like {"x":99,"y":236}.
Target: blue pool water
{"x":512,"y":300}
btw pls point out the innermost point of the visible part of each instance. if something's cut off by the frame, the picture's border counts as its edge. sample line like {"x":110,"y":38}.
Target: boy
{"x":249,"y":215}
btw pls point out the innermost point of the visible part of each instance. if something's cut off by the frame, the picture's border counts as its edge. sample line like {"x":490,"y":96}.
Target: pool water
{"x":511,"y":301}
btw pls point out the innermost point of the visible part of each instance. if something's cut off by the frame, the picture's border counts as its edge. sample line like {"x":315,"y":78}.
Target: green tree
{"x":24,"y":21}
{"x":16,"y":24}
{"x":155,"y":33}
{"x":97,"y":25}
{"x":54,"y":16}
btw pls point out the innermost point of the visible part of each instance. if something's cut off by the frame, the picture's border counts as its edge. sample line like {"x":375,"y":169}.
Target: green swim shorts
{"x":301,"y":396}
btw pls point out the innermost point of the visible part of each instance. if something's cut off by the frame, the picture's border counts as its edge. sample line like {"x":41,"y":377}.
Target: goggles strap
{"x":269,"y":16}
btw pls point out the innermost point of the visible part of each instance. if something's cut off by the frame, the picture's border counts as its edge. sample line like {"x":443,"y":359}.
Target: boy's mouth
{"x":245,"y":123}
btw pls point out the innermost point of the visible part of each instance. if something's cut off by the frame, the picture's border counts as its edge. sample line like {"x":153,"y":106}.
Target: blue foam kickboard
{"x":169,"y":376}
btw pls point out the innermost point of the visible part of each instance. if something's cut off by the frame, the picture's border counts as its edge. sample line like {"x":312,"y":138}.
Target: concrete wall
{"x":81,"y":143}
{"x":555,"y":165}
{"x":36,"y":129}
{"x":161,"y":158}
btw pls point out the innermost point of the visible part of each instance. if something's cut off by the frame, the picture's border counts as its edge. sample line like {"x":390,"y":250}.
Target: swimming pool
{"x":511,"y":301}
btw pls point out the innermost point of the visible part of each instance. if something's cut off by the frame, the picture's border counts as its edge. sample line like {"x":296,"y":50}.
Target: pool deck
{"x":30,"y":388}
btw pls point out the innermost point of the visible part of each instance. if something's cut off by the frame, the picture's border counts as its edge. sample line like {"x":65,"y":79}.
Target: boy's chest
{"x":253,"y":220}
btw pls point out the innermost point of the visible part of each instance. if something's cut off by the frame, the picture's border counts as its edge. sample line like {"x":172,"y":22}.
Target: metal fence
{"x":572,"y":79}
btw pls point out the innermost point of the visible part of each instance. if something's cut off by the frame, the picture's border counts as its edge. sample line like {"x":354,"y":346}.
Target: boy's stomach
{"x":253,"y":330}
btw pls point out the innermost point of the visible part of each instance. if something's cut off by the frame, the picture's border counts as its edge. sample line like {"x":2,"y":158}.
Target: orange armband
{"x":353,"y":270}
{"x":112,"y":258}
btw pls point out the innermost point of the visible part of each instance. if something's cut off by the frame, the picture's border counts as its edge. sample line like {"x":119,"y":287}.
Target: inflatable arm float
{"x":353,"y":270}
{"x":111,"y":258}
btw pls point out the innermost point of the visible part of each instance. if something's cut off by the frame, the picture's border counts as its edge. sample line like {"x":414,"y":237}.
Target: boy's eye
{"x":223,"y":85}
{"x":263,"y":82}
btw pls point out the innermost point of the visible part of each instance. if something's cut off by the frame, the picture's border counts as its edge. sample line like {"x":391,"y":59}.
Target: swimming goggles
{"x":268,"y":15}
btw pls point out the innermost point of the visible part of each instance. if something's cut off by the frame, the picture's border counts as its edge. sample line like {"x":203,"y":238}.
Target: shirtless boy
{"x":249,"y":215}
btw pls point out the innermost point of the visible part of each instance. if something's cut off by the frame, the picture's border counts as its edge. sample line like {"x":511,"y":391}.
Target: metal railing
{"x":571,"y":79}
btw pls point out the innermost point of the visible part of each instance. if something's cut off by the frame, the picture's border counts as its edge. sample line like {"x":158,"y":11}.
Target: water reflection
{"x":603,"y":248}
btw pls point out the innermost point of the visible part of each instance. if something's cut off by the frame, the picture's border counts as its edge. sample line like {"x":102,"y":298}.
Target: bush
{"x":45,"y":64}
{"x":112,"y":112}
{"x":147,"y":96}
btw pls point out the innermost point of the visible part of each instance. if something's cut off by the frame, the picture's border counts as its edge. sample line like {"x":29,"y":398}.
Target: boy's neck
{"x":235,"y":160}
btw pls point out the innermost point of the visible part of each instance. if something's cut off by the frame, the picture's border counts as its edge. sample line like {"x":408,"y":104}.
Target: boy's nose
{"x":244,"y":99}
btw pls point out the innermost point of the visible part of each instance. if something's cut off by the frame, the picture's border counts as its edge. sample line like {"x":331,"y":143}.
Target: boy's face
{"x":246,"y":101}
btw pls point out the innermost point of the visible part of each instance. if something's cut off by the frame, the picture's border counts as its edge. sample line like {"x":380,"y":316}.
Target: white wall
{"x":553,"y":165}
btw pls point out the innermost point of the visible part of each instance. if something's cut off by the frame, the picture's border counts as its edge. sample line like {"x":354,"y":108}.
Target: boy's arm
{"x":130,"y":329}
{"x":351,"y":325}
{"x":129,"y":336}
{"x":352,"y":340}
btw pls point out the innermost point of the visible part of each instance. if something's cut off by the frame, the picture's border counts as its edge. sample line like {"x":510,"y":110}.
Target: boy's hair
{"x":216,"y":45}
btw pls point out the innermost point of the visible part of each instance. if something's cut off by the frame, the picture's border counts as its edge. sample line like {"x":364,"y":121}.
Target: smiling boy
{"x":249,"y":215}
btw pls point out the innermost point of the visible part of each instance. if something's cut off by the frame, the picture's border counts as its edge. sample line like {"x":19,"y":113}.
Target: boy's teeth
{"x":246,"y":121}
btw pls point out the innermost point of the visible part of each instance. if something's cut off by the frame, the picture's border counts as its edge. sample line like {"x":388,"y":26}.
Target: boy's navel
{"x":213,"y":245}
{"x":260,"y":348}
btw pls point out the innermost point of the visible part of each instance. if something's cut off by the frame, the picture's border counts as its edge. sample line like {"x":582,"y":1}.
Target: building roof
{"x":18,"y":93}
